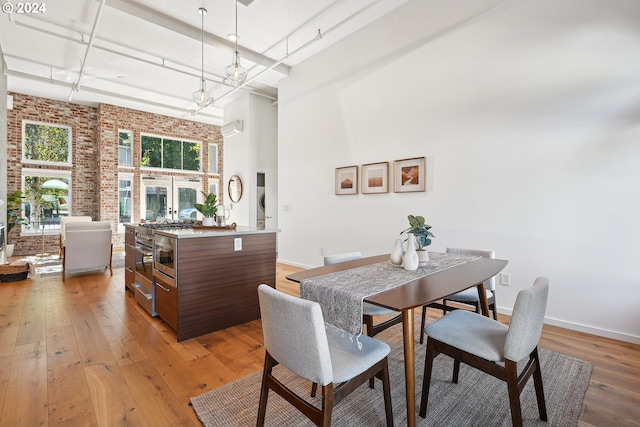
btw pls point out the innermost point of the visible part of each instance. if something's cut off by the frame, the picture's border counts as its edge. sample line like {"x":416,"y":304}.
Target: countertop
{"x":191,"y":233}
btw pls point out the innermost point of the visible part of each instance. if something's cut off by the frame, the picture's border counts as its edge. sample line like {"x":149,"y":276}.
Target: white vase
{"x":423,"y":257}
{"x":9,"y":249}
{"x":396,"y":253}
{"x":208,"y":222}
{"x":411,"y":256}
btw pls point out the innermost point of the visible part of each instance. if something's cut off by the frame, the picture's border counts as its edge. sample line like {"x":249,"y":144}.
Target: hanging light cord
{"x":202,"y":13}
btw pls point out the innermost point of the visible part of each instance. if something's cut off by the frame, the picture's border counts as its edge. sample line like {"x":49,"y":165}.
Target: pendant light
{"x":236,"y":75}
{"x":201,"y":97}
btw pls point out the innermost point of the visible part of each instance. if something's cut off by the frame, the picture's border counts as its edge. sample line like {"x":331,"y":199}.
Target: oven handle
{"x":143,"y":250}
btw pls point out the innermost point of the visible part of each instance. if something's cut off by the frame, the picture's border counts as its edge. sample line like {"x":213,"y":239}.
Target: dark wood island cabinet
{"x":217,"y":274}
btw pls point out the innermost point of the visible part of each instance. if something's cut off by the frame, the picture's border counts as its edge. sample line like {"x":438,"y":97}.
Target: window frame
{"x":130,"y":165}
{"x":126,"y":176}
{"x":68,"y":162}
{"x":49,"y":173}
{"x":182,"y":141}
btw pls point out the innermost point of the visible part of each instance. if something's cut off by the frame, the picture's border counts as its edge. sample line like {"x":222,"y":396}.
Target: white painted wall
{"x":254,"y":150}
{"x":529,"y":116}
{"x":3,"y":141}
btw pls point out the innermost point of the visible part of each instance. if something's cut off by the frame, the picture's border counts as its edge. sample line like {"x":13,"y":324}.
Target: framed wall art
{"x":409,"y":175}
{"x":375,"y":178}
{"x":347,"y":180}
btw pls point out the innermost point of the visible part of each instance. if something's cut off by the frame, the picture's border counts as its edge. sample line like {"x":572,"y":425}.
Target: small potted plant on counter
{"x":422,"y":235}
{"x":208,"y":209}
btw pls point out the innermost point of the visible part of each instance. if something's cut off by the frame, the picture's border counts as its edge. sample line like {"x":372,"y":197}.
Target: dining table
{"x":411,"y":294}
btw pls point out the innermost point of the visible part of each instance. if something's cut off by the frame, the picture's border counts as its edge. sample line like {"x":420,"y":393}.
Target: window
{"x":47,"y":198}
{"x":44,"y":143}
{"x":166,"y":153}
{"x":125,"y":155}
{"x":213,"y":158}
{"x":125,"y":198}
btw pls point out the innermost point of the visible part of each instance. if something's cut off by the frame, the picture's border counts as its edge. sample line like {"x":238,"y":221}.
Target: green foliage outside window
{"x":169,"y":153}
{"x":43,"y":142}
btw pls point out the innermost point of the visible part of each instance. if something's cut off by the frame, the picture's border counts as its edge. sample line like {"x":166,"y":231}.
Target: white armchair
{"x":63,"y":226}
{"x":87,"y":246}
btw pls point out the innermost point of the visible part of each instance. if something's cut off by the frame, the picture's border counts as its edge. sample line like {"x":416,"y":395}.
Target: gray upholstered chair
{"x":493,"y":347}
{"x":368,"y":310}
{"x":296,"y":337}
{"x":87,"y":246}
{"x":468,"y":296}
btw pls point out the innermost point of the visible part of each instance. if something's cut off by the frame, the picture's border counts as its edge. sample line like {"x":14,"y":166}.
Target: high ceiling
{"x":146,"y":54}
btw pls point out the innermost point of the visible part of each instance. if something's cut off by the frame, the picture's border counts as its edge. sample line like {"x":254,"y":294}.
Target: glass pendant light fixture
{"x":201,"y":97}
{"x":236,"y":75}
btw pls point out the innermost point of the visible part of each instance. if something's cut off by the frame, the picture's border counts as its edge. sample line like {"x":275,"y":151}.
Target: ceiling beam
{"x":153,"y":16}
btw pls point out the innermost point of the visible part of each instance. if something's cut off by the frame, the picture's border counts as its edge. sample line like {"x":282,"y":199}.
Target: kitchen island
{"x":209,"y":281}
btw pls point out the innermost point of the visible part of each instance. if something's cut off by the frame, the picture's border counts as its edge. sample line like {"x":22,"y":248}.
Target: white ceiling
{"x":146,"y":54}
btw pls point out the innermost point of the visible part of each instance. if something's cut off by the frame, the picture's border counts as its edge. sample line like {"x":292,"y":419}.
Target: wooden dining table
{"x":417,"y":293}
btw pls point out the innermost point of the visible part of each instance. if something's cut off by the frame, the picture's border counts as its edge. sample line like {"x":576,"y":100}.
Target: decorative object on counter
{"x":347,"y":180}
{"x":409,"y":175}
{"x":235,"y":188}
{"x":222,"y":216}
{"x":231,"y":226}
{"x":421,"y":234}
{"x":14,"y":217}
{"x":208,"y":209}
{"x":411,"y":260}
{"x":397,"y":253}
{"x":14,"y":271}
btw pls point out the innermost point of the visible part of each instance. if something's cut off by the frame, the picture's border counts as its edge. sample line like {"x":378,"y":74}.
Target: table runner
{"x":340,"y":294}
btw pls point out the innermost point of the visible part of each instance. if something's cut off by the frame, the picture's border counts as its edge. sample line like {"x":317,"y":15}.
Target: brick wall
{"x":94,"y":173}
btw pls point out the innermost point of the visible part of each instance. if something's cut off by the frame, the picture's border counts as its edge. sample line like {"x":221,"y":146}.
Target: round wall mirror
{"x":235,"y":188}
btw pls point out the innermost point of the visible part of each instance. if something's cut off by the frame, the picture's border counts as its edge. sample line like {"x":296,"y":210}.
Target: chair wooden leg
{"x":368,"y":321}
{"x":327,"y":405}
{"x":264,"y":390}
{"x":456,"y":371}
{"x":426,"y":378}
{"x":444,"y":307}
{"x":511,"y":369}
{"x":64,"y":258}
{"x":537,"y":382}
{"x":423,"y":323}
{"x":386,"y":389}
{"x":314,"y":389}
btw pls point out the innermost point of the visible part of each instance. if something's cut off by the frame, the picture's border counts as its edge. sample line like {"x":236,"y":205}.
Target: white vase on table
{"x":208,"y":221}
{"x":396,"y":253}
{"x":411,"y":260}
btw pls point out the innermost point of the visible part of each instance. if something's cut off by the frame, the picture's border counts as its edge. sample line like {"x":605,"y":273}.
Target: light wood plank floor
{"x":83,"y":353}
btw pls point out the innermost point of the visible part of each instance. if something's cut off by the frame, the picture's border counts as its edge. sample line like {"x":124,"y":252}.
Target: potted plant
{"x":14,"y":216}
{"x":208,"y":209}
{"x":422,"y":235}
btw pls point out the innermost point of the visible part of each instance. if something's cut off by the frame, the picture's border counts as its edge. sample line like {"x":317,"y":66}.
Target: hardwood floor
{"x":83,"y":353}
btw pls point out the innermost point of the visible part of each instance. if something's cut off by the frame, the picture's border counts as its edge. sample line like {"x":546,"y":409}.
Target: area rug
{"x":51,"y":264}
{"x":477,"y":400}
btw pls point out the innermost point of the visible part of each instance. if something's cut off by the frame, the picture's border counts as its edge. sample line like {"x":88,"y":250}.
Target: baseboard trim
{"x":619,"y":336}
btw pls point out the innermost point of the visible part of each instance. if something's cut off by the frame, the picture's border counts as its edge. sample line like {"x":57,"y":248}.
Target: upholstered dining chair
{"x":493,"y":347}
{"x":469,"y":296}
{"x":368,"y":310}
{"x":296,"y":337}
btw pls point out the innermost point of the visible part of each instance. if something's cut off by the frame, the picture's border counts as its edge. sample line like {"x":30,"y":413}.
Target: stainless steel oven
{"x":164,"y":255}
{"x":143,"y":250}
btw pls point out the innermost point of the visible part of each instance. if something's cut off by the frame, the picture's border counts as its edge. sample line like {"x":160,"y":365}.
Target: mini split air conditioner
{"x":232,"y":128}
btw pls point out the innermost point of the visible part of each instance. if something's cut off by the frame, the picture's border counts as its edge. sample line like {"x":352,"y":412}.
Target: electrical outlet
{"x":237,"y":244}
{"x":505,"y":280}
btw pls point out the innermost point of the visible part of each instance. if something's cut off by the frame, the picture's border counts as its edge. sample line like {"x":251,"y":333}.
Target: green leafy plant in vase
{"x":208,"y":209}
{"x":422,"y":235}
{"x":14,"y":216}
